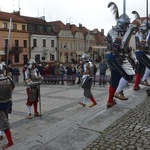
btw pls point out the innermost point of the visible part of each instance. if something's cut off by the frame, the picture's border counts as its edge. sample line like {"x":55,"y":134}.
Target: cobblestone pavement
{"x":66,"y":125}
{"x":130,"y":132}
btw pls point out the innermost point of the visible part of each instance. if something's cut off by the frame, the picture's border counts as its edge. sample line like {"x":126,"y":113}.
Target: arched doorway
{"x":37,"y":58}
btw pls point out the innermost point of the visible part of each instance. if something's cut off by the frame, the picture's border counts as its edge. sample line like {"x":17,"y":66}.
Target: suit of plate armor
{"x":87,"y":80}
{"x":142,"y":39}
{"x":32,"y":80}
{"x":117,"y":58}
{"x":6,"y":87}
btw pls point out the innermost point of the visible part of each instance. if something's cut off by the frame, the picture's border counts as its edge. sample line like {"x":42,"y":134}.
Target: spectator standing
{"x":40,"y":68}
{"x":52,"y":66}
{"x":16,"y":74}
{"x":61,"y":73}
{"x":73,"y":68}
{"x":102,"y":70}
{"x":56,"y":71}
{"x":23,"y":71}
{"x":69,"y":72}
{"x":79,"y":71}
{"x":47,"y":70}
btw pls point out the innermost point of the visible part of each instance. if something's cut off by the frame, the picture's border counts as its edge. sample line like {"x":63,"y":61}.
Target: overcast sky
{"x":93,"y":14}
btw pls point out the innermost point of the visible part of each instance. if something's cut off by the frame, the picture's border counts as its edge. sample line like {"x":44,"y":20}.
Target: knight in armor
{"x":117,"y":53}
{"x":32,"y":80}
{"x":6,"y":88}
{"x":142,"y":39}
{"x":87,"y":81}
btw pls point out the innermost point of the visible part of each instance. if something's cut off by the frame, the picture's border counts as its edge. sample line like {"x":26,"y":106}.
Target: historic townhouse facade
{"x":65,"y":41}
{"x":43,"y":40}
{"x":33,"y":37}
{"x":19,"y":41}
{"x":78,"y":44}
{"x":73,"y":41}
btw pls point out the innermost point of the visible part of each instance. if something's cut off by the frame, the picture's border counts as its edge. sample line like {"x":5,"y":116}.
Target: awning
{"x":79,"y":52}
{"x":2,"y":53}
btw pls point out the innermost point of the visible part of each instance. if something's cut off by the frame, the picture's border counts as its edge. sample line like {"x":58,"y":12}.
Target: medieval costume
{"x":142,"y":39}
{"x":87,"y":82}
{"x":6,"y":87}
{"x":117,"y":44}
{"x":33,"y":80}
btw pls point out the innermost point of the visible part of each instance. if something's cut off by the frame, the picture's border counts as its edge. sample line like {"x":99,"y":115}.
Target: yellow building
{"x":18,"y":44}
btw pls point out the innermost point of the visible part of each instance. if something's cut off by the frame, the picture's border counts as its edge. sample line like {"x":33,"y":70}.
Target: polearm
{"x":124,"y":12}
{"x":8,"y":45}
{"x":39,"y":95}
{"x":147,"y":13}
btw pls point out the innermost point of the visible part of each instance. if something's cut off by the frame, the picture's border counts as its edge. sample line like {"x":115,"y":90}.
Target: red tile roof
{"x":59,"y":25}
{"x":5,"y":16}
{"x":74,"y":28}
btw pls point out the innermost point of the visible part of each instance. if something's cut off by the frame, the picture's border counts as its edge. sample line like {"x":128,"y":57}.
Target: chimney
{"x":80,"y":25}
{"x":95,"y":31}
{"x":102,"y":31}
{"x":68,"y":24}
{"x":42,"y":17}
{"x":16,"y":13}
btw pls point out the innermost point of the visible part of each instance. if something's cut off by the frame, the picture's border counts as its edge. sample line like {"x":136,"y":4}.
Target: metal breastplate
{"x":140,"y":39}
{"x":5,"y":90}
{"x":34,"y":76}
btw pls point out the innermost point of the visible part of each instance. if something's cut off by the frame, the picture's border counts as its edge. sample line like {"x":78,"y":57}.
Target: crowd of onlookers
{"x":59,"y":69}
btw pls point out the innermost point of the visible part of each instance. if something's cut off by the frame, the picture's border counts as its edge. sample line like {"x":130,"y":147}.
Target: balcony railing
{"x":16,"y":49}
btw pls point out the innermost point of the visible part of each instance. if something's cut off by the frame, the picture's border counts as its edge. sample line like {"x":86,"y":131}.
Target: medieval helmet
{"x":2,"y":65}
{"x":144,"y":25}
{"x":85,"y":57}
{"x":31,"y":62}
{"x":123,"y":21}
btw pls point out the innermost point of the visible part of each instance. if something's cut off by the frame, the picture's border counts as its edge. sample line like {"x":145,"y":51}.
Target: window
{"x":25,"y":43}
{"x":66,"y":45}
{"x":28,"y":27}
{"x":16,"y":43}
{"x":34,"y":42}
{"x":37,"y":27}
{"x":70,"y":45}
{"x":6,"y":41}
{"x":14,"y":26}
{"x":23,"y":27}
{"x":52,"y":43}
{"x":6,"y":44}
{"x":47,"y":28}
{"x":44,"y":42}
{"x":16,"y":58}
{"x":61,"y":45}
{"x":4,"y":25}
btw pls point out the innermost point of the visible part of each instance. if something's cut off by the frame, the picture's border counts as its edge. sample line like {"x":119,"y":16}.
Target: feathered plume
{"x":137,"y":16}
{"x":114,"y":9}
